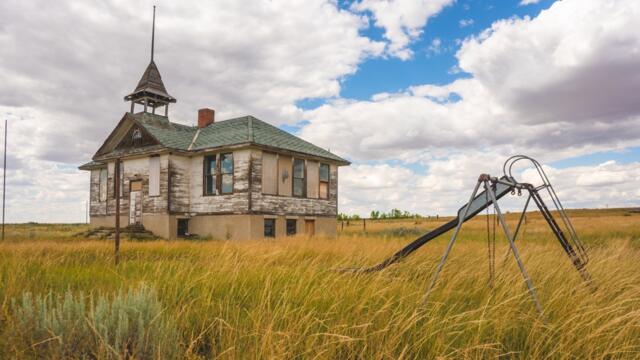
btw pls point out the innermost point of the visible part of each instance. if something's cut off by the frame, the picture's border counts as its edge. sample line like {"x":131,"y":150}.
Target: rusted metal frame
{"x":515,"y":232}
{"x":451,"y":242}
{"x":514,"y":250}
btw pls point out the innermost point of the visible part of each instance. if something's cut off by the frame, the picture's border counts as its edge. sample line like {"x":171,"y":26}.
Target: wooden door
{"x":135,"y":202}
{"x":310,"y":227}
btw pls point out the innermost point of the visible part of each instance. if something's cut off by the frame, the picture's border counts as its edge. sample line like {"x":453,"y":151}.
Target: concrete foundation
{"x":226,"y":227}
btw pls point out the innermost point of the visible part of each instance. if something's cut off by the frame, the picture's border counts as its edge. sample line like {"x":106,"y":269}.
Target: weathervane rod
{"x":153,"y":31}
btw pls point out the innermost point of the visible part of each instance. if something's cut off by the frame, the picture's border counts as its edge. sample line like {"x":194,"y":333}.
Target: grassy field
{"x":62,"y":297}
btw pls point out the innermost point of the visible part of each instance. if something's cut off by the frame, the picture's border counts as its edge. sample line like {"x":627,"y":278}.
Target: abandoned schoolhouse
{"x":239,"y":178}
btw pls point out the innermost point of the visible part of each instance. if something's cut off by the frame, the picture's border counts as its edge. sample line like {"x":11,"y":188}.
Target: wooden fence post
{"x":117,"y":186}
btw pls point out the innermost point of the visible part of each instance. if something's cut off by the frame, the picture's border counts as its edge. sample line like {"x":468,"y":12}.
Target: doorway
{"x":135,"y":202}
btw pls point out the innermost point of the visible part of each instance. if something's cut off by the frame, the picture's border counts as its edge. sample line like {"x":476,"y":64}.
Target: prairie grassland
{"x":283,"y":298}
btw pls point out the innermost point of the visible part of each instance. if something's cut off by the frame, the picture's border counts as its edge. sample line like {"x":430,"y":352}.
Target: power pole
{"x":4,"y":176}
{"x":86,"y":212}
{"x":117,"y":186}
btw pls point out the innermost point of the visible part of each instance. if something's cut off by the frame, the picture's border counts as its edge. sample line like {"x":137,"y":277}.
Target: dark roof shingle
{"x":242,"y":130}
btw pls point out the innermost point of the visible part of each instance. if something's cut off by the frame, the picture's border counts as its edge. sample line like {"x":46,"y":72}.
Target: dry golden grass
{"x":284,"y":299}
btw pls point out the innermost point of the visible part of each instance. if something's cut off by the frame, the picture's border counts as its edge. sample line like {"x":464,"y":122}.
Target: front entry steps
{"x":131,"y":232}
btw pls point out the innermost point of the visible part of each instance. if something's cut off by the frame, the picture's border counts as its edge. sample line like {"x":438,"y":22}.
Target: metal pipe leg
{"x":461,"y":220}
{"x":505,"y":228}
{"x":515,"y":233}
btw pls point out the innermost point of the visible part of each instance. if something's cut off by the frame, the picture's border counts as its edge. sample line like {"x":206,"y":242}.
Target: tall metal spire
{"x":150,"y":91}
{"x":153,"y":31}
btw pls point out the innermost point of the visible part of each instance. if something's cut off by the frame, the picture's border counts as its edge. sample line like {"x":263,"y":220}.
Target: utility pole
{"x":86,"y":212}
{"x":117,"y":192}
{"x":4,"y":176}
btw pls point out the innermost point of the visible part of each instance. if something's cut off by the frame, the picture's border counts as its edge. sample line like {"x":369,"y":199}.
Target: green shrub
{"x":402,"y":232}
{"x":129,"y":325}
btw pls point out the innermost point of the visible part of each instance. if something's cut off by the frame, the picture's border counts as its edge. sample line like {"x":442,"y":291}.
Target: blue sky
{"x":437,"y":65}
{"x":391,"y":74}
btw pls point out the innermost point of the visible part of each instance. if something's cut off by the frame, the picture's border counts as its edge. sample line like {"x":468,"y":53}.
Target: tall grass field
{"x":61,"y":296}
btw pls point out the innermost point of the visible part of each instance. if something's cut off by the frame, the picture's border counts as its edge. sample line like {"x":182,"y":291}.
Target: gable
{"x":136,"y":137}
{"x":121,"y":138}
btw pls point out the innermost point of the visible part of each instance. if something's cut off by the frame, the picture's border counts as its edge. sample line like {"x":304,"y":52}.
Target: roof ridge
{"x":250,"y":137}
{"x":195,"y":137}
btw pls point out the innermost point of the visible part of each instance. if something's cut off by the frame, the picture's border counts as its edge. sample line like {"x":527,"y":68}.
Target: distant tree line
{"x":376,"y":214}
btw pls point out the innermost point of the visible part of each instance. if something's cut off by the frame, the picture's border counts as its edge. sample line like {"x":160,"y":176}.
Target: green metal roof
{"x":172,"y":135}
{"x":242,"y":130}
{"x":91,"y":165}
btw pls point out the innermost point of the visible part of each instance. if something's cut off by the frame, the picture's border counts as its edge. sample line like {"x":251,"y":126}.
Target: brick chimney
{"x":206,"y":117}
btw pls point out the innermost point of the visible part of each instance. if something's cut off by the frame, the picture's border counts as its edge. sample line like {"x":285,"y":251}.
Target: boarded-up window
{"x":324,"y":181}
{"x":103,"y":185}
{"x":312,"y":179}
{"x":136,"y":185}
{"x":298,"y":178}
{"x":154,"y":176}
{"x":284,"y":175}
{"x":269,"y":173}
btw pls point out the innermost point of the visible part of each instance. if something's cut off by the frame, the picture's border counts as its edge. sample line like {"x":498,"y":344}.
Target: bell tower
{"x":150,"y":91}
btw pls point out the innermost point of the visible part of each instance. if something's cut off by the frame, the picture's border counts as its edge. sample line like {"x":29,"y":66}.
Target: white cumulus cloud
{"x":402,"y":20}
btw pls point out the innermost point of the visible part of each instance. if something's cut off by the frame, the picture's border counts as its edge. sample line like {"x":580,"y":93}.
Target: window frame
{"x":273,"y":228}
{"x":320,"y":181}
{"x":295,"y":226}
{"x":293,"y":178}
{"x":206,"y":172}
{"x":222,"y":174}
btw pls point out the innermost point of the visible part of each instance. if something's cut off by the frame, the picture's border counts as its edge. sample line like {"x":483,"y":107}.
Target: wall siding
{"x":96,"y":207}
{"x":281,"y":205}
{"x":181,"y":185}
{"x":179,"y":171}
{"x":235,"y":203}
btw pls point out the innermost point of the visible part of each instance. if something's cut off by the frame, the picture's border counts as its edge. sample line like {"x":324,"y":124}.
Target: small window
{"x":136,"y":137}
{"x":298,"y":178}
{"x":210,"y":171}
{"x":269,"y":227}
{"x":324,"y":181}
{"x":183,"y":227}
{"x":226,"y":173}
{"x":102,"y":194}
{"x":291,"y":226}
